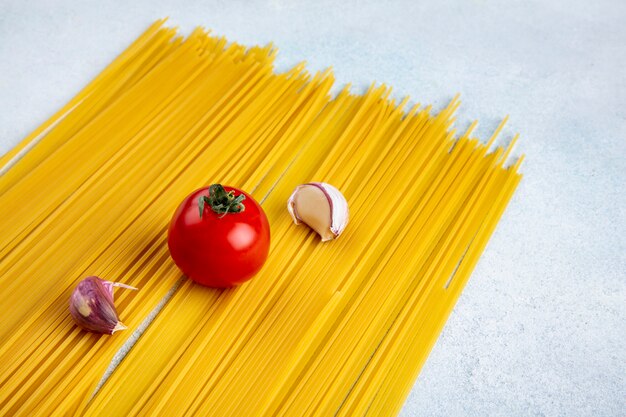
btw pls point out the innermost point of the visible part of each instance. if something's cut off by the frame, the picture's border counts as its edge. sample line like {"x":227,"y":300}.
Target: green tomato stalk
{"x":221,"y":202}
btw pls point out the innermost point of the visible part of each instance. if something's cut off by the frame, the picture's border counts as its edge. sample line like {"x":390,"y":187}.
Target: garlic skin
{"x":320,"y":206}
{"x":91,"y":305}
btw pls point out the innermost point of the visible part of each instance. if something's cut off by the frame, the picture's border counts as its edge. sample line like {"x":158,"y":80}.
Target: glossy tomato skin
{"x":219,"y":250}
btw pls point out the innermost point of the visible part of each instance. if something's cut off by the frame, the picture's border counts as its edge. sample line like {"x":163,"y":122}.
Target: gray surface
{"x":540,"y":328}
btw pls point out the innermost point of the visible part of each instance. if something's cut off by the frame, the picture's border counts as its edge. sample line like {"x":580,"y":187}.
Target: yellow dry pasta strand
{"x":82,"y":157}
{"x":487,"y":227}
{"x":370,"y":98}
{"x":438,"y":253}
{"x":225,"y":383}
{"x":29,"y":344}
{"x":392,"y":129}
{"x":332,"y":113}
{"x":510,"y":148}
{"x":157,"y":348}
{"x":140,"y":399}
{"x":288,"y":147}
{"x":74,"y":400}
{"x":393,"y":173}
{"x":303,"y":352}
{"x":415,"y":127}
{"x":99,"y":81}
{"x":297,"y":99}
{"x":90,"y":369}
{"x":308,"y":397}
{"x":434,"y":335}
{"x":94,"y":206}
{"x":81,"y":114}
{"x":251,"y":283}
{"x":401,"y":291}
{"x":417,"y":208}
{"x":496,"y":132}
{"x":281,"y":138}
{"x":366,"y":128}
{"x":76,"y":364}
{"x":370,"y":141}
{"x":10,"y":404}
{"x":292,"y":375}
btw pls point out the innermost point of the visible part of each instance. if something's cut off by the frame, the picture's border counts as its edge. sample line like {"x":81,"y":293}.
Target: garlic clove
{"x":92,"y":308}
{"x":320,"y":206}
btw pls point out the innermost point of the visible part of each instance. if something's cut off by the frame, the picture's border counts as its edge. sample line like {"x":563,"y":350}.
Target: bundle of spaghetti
{"x":386,"y":397}
{"x":427,"y":282}
{"x":335,"y":328}
{"x":139,"y":58}
{"x":259,"y":106}
{"x":215,"y":350}
{"x":187,"y":304}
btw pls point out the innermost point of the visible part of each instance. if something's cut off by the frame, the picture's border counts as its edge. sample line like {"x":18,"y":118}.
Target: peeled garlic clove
{"x":91,"y":305}
{"x":320,"y":206}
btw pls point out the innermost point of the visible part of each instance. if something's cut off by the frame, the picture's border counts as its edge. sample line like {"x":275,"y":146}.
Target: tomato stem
{"x":221,"y":202}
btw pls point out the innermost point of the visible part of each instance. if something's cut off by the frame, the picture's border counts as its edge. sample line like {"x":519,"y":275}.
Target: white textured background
{"x":541,"y":327}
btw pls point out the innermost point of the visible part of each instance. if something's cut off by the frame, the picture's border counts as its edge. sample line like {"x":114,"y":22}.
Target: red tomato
{"x":219,"y":236}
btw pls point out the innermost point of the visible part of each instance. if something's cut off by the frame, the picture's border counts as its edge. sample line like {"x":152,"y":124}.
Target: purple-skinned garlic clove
{"x":320,"y":206}
{"x":92,"y":307}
